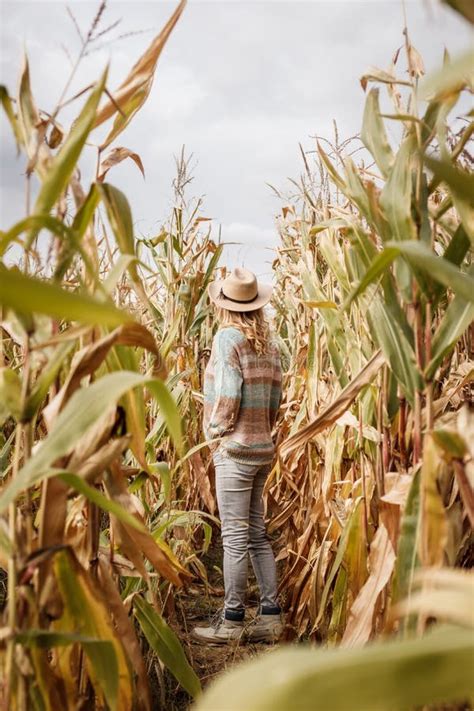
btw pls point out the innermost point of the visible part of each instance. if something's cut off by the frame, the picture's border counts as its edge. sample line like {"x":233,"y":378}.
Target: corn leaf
{"x":65,"y":161}
{"x":461,"y":184}
{"x":390,"y":676}
{"x":396,"y":348}
{"x":381,"y":562}
{"x":27,"y":294}
{"x":36,"y":223}
{"x":120,"y":218}
{"x":450,"y":79}
{"x":455,"y":321}
{"x":373,"y":134}
{"x":116,"y":156}
{"x":134,"y":90}
{"x":407,"y":551}
{"x":81,"y":413}
{"x":329,"y":416}
{"x":438,"y":268}
{"x":44,"y":381}
{"x":464,"y":7}
{"x":90,"y":492}
{"x":12,"y":118}
{"x":87,"y":614}
{"x":10,"y":394}
{"x":166,"y":645}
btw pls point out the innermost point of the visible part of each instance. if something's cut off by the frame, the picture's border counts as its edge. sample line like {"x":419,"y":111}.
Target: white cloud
{"x":256,"y":237}
{"x":239,"y":83}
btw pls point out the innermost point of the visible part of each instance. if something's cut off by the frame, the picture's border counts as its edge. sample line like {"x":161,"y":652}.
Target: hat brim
{"x":263,"y":297}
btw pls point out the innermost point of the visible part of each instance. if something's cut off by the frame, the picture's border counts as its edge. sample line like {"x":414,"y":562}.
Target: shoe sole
{"x":217,"y":642}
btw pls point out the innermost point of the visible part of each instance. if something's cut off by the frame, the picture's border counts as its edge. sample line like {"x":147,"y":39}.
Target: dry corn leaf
{"x":117,"y":155}
{"x":381,"y":562}
{"x":126,"y":632}
{"x":133,"y":92}
{"x":342,"y":403}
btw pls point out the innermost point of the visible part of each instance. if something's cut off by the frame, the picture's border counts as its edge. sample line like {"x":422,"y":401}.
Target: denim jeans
{"x":239,"y":490}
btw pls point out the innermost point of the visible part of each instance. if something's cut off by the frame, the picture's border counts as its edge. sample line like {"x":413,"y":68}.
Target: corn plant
{"x":370,"y":495}
{"x":82,"y":377}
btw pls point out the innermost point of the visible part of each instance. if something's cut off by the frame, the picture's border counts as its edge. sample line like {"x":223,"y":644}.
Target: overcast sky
{"x":239,"y":83}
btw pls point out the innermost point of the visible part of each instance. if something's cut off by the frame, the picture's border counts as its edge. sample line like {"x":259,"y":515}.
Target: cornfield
{"x":107,"y":509}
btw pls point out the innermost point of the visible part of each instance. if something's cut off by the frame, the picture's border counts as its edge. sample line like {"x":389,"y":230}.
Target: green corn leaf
{"x":8,"y":108}
{"x":65,"y":161}
{"x":28,"y":295}
{"x":28,"y":116}
{"x":407,"y":557}
{"x":120,"y":218}
{"x":10,"y":394}
{"x":458,"y":247}
{"x":116,"y":272}
{"x":46,"y":639}
{"x":45,"y":380}
{"x":379,"y":266}
{"x":396,"y":348}
{"x":97,"y":498}
{"x":450,"y":79}
{"x":461,"y":184}
{"x":166,"y":645}
{"x":373,"y":134}
{"x":81,"y":413}
{"x":83,"y":216}
{"x":35,"y":223}
{"x":341,"y":550}
{"x":438,"y":268}
{"x":386,"y":676}
{"x":456,"y":320}
{"x":395,"y":199}
{"x":451,"y":443}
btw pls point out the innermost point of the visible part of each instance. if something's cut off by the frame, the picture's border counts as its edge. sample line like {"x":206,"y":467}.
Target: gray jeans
{"x":239,"y":490}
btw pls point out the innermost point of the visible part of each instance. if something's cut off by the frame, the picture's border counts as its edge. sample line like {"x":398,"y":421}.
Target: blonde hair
{"x":252,"y":324}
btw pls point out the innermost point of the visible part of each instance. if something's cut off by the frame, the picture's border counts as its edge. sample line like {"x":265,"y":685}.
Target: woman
{"x":242,"y":394}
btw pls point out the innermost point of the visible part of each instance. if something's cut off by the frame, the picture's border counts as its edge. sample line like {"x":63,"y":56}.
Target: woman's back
{"x":242,"y":392}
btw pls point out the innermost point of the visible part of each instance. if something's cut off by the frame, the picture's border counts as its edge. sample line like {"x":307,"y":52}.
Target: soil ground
{"x":195,"y":607}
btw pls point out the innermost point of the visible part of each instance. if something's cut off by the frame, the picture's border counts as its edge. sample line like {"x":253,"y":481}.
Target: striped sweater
{"x":242,"y":394}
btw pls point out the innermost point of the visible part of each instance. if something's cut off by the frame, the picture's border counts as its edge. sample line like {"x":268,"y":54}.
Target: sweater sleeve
{"x":276,"y":390}
{"x":227,"y":386}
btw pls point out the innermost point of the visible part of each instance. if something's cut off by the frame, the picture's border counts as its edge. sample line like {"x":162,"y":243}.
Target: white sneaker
{"x":265,"y":628}
{"x":222,"y":632}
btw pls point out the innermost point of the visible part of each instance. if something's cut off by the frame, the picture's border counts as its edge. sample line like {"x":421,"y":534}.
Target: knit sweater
{"x":242,"y":394}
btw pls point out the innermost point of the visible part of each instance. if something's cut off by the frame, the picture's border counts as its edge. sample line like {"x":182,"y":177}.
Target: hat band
{"x":237,"y":301}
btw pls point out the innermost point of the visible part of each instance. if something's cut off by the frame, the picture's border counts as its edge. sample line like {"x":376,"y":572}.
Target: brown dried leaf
{"x":342,"y":403}
{"x":416,"y":65}
{"x":87,"y":360}
{"x":134,"y":90}
{"x":126,"y":632}
{"x":202,"y":480}
{"x":55,"y":137}
{"x":117,"y":155}
{"x":381,"y":562}
{"x":137,"y":543}
{"x":102,"y":458}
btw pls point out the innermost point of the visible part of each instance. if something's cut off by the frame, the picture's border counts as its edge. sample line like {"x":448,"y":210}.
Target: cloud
{"x":248,"y":234}
{"x":239,"y":83}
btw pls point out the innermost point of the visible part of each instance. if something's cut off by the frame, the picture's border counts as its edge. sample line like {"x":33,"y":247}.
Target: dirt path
{"x":195,"y":607}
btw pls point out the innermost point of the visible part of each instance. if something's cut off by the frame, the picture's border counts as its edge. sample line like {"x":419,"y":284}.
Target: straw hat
{"x":239,"y":291}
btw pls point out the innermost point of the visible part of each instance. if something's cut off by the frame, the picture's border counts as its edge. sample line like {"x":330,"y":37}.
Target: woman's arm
{"x":223,"y":387}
